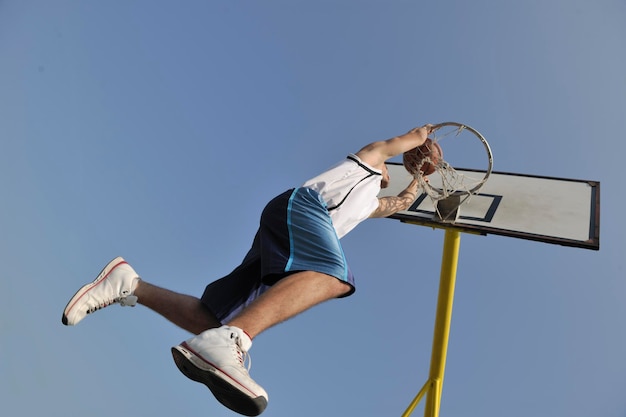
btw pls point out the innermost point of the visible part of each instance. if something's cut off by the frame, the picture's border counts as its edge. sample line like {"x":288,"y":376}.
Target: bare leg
{"x":287,"y":298}
{"x":185,"y":311}
{"x":201,"y":357}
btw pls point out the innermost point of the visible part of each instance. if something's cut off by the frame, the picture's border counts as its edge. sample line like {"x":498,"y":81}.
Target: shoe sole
{"x":86,"y":288}
{"x":223,"y":387}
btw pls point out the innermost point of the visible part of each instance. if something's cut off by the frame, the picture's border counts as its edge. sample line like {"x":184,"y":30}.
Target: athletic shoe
{"x":115,"y":284}
{"x":216,"y":359}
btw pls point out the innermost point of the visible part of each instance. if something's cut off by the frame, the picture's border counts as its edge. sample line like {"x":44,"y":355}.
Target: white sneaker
{"x":115,"y":284}
{"x":216,"y":359}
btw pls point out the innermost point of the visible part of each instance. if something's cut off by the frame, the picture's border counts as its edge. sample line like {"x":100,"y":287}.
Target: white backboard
{"x":552,"y":210}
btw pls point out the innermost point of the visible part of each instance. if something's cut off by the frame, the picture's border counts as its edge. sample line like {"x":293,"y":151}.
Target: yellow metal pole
{"x":447,"y":280}
{"x":427,"y":386}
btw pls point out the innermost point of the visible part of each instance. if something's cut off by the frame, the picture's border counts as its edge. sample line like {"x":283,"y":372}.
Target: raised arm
{"x":378,"y":152}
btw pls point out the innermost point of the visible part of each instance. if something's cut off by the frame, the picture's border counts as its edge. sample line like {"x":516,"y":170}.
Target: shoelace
{"x":124,"y":300}
{"x":243,"y":357}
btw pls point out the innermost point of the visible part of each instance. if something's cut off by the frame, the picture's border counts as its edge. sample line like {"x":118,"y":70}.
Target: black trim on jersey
{"x":371,"y":174}
{"x":362,"y":165}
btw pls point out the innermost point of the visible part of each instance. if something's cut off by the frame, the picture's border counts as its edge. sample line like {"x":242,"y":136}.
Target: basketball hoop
{"x":447,"y":187}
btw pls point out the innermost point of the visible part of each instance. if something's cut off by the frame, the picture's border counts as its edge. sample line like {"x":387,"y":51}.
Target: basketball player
{"x":296,"y":262}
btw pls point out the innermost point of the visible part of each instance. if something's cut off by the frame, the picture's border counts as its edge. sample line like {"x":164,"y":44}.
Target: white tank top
{"x":350,"y":190}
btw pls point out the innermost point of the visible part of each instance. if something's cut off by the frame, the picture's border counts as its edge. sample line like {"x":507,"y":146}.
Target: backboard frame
{"x":415,"y":215}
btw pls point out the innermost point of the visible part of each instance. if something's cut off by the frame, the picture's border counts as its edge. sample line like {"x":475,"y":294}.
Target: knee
{"x":338,"y":288}
{"x":325,"y":286}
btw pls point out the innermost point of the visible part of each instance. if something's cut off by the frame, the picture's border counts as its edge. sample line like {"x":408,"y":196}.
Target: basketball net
{"x":447,"y":187}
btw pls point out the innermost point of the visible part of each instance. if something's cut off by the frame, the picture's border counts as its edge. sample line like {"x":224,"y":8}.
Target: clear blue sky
{"x":157,"y":130}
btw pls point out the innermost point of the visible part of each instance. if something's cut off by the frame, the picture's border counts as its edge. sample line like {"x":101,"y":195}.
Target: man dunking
{"x":296,"y":262}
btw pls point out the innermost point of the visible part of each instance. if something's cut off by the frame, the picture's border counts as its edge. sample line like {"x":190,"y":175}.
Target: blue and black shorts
{"x":295,"y":234}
